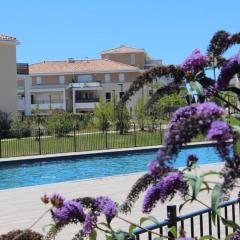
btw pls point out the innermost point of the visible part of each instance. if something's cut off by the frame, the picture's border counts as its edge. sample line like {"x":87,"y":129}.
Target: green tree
{"x":104,"y":115}
{"x":21,"y":127}
{"x":140,"y":113}
{"x":122,"y":119}
{"x":168,"y":104}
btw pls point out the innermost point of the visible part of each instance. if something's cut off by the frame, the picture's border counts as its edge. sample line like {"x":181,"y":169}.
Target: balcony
{"x":46,"y":105}
{"x":86,"y":86}
{"x":85,"y":104}
{"x":44,"y":88}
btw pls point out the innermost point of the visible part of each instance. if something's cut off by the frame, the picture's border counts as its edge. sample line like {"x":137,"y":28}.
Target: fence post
{"x":106,"y":139}
{"x":39,"y":142}
{"x":160,"y":133}
{"x":0,"y":144}
{"x":172,"y":219}
{"x":134,"y":134}
{"x":74,"y":139}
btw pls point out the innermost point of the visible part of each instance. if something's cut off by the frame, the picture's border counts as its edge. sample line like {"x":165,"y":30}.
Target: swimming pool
{"x":44,"y":171}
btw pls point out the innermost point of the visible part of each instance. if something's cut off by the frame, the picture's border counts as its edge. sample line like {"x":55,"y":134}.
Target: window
{"x":108,"y":78}
{"x":85,"y":78}
{"x":39,"y":80}
{"x":108,"y":96}
{"x":133,"y":59}
{"x":121,"y":77}
{"x":121,"y":94}
{"x":61,"y":80}
{"x":32,"y":99}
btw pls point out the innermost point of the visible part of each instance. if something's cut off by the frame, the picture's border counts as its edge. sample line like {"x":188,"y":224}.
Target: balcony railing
{"x":92,"y":100}
{"x":47,"y":101}
{"x":48,"y":86}
{"x":85,"y":85}
{"x":47,"y":106}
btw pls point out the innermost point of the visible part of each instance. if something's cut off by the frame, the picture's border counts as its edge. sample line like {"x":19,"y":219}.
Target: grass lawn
{"x":85,"y":142}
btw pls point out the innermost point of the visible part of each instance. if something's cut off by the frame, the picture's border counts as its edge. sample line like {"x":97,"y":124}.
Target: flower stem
{"x":33,"y":224}
{"x":137,"y":225}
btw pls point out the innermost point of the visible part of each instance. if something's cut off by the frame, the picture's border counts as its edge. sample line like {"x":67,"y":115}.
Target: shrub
{"x":61,"y":123}
{"x":5,"y":122}
{"x":82,"y":120}
{"x":21,"y":127}
{"x":26,"y":235}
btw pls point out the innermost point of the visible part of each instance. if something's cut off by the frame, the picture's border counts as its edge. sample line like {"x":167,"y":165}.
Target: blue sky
{"x":167,"y":29}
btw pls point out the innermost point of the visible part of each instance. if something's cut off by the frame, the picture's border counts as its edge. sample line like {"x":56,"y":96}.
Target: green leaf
{"x":208,"y":237}
{"x":215,"y":201}
{"x":158,"y":238}
{"x":198,"y":186}
{"x":229,"y":236}
{"x":52,"y":229}
{"x":149,"y":218}
{"x":131,"y":228}
{"x":108,"y":237}
{"x":173,"y":231}
{"x":230,"y":223}
{"x":104,"y":224}
{"x":92,"y":235}
{"x":192,"y":181}
{"x":119,"y":235}
{"x":209,"y":173}
{"x":195,"y":183}
{"x":196,"y":85}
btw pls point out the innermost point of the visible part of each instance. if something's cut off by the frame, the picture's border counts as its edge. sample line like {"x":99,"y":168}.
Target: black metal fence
{"x":196,"y":224}
{"x":26,"y":142}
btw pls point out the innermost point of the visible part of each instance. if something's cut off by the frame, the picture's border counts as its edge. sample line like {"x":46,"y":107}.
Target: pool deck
{"x":21,"y":206}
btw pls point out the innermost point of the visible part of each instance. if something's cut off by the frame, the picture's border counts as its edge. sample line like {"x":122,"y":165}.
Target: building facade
{"x":77,"y":85}
{"x":8,"y":75}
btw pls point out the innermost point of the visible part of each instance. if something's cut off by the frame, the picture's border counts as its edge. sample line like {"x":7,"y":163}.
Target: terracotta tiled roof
{"x":80,"y":66}
{"x":123,"y":49}
{"x":7,"y":38}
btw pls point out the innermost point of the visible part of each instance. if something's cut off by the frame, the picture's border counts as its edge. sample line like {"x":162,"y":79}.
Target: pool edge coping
{"x":92,"y":153}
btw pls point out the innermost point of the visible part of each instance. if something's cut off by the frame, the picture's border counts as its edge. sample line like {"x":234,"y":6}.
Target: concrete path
{"x":20,"y":207}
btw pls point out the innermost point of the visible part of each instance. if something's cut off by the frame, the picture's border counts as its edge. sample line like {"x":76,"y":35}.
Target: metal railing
{"x":196,"y":224}
{"x":29,"y":141}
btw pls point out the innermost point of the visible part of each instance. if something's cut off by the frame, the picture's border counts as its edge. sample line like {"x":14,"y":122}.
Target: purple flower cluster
{"x":186,"y":123}
{"x":89,"y":223}
{"x":236,"y":235}
{"x":165,"y":189}
{"x":71,"y":211}
{"x":195,"y":62}
{"x":209,"y":109}
{"x":107,"y":207}
{"x":219,"y":130}
{"x":229,"y":69}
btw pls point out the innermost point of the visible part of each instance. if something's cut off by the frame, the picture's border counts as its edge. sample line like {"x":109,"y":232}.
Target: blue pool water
{"x":35,"y":173}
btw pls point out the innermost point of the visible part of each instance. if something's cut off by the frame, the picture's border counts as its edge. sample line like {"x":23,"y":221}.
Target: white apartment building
{"x":77,"y":85}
